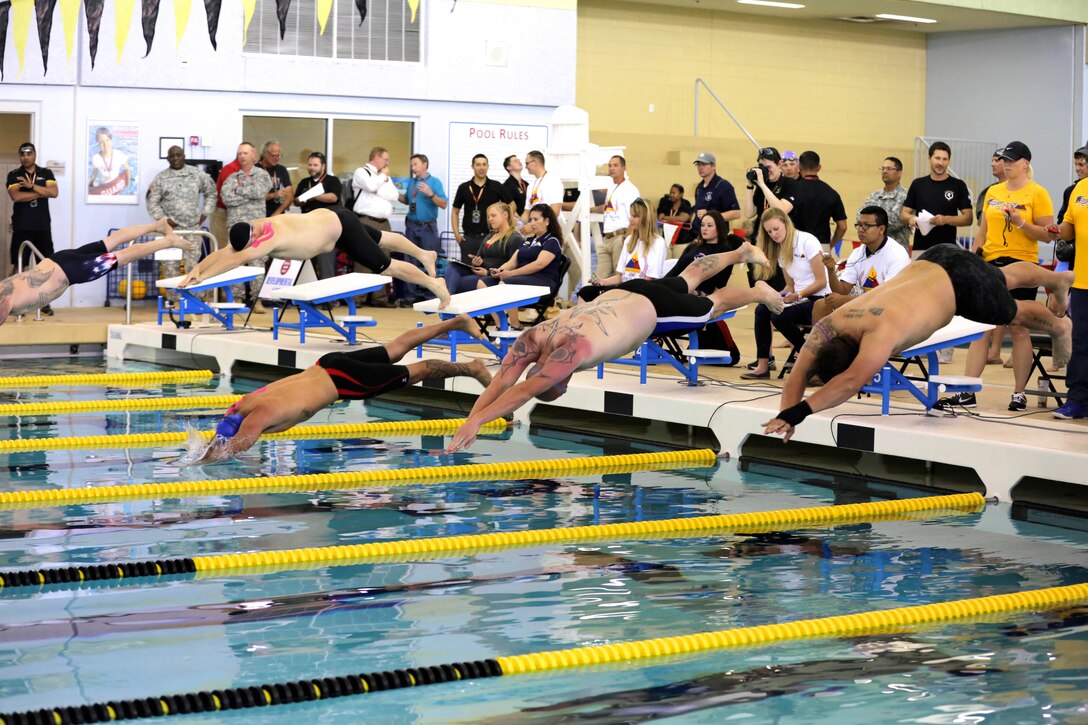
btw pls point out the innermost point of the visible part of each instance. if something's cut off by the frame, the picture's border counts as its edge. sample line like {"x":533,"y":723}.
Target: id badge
{"x":412,"y":208}
{"x":475,"y":216}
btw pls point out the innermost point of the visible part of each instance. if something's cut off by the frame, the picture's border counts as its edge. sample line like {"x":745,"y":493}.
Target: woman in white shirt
{"x":642,"y":255}
{"x":799,"y":257}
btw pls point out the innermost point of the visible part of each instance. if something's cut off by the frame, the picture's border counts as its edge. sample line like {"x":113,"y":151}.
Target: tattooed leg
{"x":440,"y":369}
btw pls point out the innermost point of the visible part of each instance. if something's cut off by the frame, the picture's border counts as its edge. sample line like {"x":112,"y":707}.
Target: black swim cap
{"x":239,"y":235}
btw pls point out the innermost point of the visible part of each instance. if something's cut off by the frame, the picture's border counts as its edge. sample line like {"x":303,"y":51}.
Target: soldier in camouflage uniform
{"x":176,"y":193}
{"x":891,"y":199}
{"x":243,"y":194}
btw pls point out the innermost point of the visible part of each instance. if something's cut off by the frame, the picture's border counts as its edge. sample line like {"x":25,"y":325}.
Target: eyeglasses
{"x":888,"y":168}
{"x":863,"y":226}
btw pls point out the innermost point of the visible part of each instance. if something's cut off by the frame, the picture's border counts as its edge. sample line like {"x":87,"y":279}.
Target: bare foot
{"x":163,"y":226}
{"x":179,"y":243}
{"x":478,"y":370}
{"x":441,"y":292}
{"x":1058,"y":301}
{"x":1062,"y":342}
{"x":428,"y":260}
{"x":753,"y":255}
{"x":469,"y":326}
{"x":768,"y":297}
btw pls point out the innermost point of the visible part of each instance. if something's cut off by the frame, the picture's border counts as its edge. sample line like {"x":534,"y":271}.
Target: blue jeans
{"x":460,"y":279}
{"x":1076,"y":375}
{"x":425,"y":236}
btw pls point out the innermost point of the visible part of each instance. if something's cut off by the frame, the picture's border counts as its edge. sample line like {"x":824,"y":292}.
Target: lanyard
{"x":476,"y":197}
{"x":613,"y":193}
{"x":533,"y":197}
{"x":415,"y":188}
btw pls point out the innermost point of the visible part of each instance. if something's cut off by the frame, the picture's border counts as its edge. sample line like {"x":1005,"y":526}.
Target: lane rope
{"x":62,"y":407}
{"x":325,"y":688}
{"x":131,"y":380}
{"x":343,"y":430}
{"x":510,"y":470}
{"x":345,"y":555}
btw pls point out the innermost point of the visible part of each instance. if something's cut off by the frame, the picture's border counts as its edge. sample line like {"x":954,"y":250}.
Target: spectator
{"x":504,"y":241}
{"x":641,"y":255}
{"x":891,"y":199}
{"x":185,"y":196}
{"x":874,"y":262}
{"x":617,"y":217}
{"x":330,"y":196}
{"x":673,"y":207}
{"x":515,"y":185}
{"x":31,"y":187}
{"x":374,"y":197}
{"x":278,"y":200}
{"x":1080,"y":168}
{"x":799,"y":257}
{"x":997,"y":336}
{"x":538,"y":260}
{"x":767,"y":188}
{"x":475,"y":196}
{"x":424,"y":196}
{"x":942,"y":195}
{"x":244,"y":193}
{"x":1015,"y":218}
{"x":542,"y":189}
{"x":219,"y":216}
{"x":1074,"y":227}
{"x":791,"y":166}
{"x":712,"y":193}
{"x":817,"y":204}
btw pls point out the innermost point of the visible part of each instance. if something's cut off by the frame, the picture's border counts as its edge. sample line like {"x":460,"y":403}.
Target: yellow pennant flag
{"x":413,"y":5}
{"x":324,"y":7}
{"x":122,"y":18}
{"x":21,"y":11}
{"x":247,"y":7}
{"x":181,"y":19}
{"x":69,"y":15}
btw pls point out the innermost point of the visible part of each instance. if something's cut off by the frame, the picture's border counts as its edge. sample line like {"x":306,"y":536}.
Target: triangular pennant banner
{"x":413,"y":5}
{"x":69,"y":16}
{"x":248,"y":7}
{"x":93,"y":10}
{"x":282,"y":6}
{"x":212,"y":7}
{"x":149,"y":16}
{"x":181,"y":19}
{"x":20,"y":15}
{"x":324,"y":7}
{"x":5,"y":11}
{"x":122,"y":19}
{"x":360,"y":5}
{"x":43,"y":9}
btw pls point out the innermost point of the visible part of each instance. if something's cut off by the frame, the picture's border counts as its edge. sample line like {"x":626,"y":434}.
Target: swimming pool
{"x":67,"y":645}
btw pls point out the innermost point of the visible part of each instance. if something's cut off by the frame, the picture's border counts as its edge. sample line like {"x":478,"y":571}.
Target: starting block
{"x":306,"y":296}
{"x":500,"y":298}
{"x":667,"y":351}
{"x":190,"y":304}
{"x":959,"y":331}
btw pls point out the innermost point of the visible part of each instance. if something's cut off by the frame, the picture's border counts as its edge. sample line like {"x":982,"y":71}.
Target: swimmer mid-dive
{"x":848,"y":347}
{"x":46,"y":281}
{"x":612,"y":325}
{"x":337,"y":376}
{"x":304,"y":236}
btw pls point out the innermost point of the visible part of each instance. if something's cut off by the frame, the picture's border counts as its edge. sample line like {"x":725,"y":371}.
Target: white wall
{"x":1026,"y":85}
{"x":200,"y":92}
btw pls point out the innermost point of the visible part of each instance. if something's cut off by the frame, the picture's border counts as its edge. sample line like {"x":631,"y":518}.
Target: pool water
{"x":64,"y":646}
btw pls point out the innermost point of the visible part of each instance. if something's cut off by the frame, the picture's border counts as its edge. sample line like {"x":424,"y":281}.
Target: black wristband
{"x":796,"y":414}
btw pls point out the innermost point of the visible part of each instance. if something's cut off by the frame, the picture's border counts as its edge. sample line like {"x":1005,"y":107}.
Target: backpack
{"x":347,"y":193}
{"x":716,"y":336}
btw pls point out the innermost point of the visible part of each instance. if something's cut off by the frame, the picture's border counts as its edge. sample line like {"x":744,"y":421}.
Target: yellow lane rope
{"x":675,"y":528}
{"x":838,"y":626}
{"x":134,"y":440}
{"x":120,"y":404}
{"x":119,"y":379}
{"x":360,"y":479}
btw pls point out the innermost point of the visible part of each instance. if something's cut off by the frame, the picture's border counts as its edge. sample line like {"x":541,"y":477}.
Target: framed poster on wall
{"x":113,"y":162}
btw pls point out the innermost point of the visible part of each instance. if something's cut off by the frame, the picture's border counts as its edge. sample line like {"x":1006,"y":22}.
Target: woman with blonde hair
{"x":493,"y":252}
{"x":642,"y":255}
{"x":797,"y":269}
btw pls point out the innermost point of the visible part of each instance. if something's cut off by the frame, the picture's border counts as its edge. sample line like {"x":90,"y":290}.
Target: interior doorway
{"x":15,"y":128}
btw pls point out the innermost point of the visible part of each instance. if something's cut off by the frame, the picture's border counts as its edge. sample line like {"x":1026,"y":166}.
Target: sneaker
{"x":957,"y":400}
{"x":47,"y":311}
{"x":754,"y":365}
{"x":1019,"y":402}
{"x":1072,"y":410}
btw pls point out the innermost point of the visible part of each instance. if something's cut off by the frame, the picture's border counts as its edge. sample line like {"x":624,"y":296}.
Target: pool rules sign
{"x":496,"y":141}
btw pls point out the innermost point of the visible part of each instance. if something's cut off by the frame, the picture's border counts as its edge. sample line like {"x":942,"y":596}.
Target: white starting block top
{"x":238,"y":274}
{"x":955,"y":330}
{"x":500,"y":296}
{"x":346,"y":285}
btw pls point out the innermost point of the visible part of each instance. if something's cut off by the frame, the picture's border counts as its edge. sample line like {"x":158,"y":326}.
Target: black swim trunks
{"x":1020,"y":293}
{"x":85,"y":264}
{"x":360,"y":242}
{"x":363,"y":374}
{"x":676,"y":309}
{"x":980,"y":289}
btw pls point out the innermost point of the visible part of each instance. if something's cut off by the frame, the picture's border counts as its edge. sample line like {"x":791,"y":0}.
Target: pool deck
{"x":1003,"y":448}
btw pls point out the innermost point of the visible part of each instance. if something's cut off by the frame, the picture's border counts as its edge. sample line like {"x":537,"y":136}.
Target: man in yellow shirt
{"x":1075,"y":226}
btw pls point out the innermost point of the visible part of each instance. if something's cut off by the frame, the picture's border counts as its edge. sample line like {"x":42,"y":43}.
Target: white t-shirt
{"x":548,"y":189}
{"x":617,"y":206}
{"x":632,"y":266}
{"x":107,"y":172}
{"x":805,"y":248}
{"x":868,"y":271}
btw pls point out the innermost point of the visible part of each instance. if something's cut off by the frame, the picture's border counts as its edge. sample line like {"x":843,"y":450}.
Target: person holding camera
{"x":768,"y":188}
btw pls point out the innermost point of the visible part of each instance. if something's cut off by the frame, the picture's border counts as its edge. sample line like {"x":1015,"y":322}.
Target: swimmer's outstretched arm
{"x":218,"y":262}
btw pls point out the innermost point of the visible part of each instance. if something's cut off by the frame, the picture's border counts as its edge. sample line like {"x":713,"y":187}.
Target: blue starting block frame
{"x":653,"y":353}
{"x":190,"y":304}
{"x":497,"y":299}
{"x":343,"y":288}
{"x":889,"y":379}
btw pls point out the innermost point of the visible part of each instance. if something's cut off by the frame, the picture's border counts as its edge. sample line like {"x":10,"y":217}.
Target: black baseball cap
{"x":770,"y":153}
{"x":1014,"y":151}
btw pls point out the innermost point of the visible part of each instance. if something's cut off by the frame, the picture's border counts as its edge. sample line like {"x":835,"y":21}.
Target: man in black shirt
{"x":474,"y":196}
{"x":817,"y":204}
{"x":30,"y":188}
{"x":514,"y":184}
{"x":278,"y":200}
{"x":325,"y":263}
{"x":942,"y":195}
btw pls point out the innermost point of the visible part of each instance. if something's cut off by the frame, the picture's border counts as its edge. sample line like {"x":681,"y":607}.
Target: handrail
{"x":27,"y":244}
{"x":128,"y":270}
{"x":700,"y":81}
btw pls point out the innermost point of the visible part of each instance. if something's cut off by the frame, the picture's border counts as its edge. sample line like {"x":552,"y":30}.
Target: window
{"x":387,"y":34}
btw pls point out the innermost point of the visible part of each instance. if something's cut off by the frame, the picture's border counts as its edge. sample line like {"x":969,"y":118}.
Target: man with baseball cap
{"x":30,"y":188}
{"x":712,"y":193}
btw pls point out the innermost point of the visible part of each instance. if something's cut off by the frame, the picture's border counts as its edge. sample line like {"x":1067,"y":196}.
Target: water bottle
{"x":1044,"y":392}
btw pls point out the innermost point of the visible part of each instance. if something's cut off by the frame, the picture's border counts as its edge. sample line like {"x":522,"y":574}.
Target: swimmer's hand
{"x":465,"y":436}
{"x":776,"y":426}
{"x":192,"y":278}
